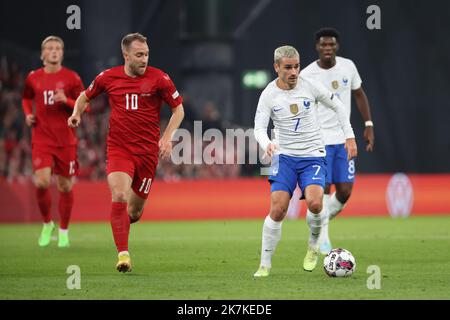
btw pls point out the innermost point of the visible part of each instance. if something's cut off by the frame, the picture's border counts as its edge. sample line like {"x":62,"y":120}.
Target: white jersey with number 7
{"x":294,"y":114}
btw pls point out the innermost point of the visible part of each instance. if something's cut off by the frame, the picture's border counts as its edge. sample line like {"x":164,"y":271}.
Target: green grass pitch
{"x":216,"y":260}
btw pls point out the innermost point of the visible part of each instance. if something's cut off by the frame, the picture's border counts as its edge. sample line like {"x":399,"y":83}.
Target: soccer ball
{"x":339,"y":263}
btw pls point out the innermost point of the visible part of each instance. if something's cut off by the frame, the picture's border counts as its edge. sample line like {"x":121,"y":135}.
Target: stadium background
{"x":207,"y":46}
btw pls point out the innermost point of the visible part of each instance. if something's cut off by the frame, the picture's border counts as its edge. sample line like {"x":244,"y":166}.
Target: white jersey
{"x":341,"y":80}
{"x":297,"y":130}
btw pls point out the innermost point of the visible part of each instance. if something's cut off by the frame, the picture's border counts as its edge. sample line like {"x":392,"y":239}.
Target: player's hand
{"x":60,"y":96}
{"x":369,"y":136}
{"x":74,"y":121}
{"x":30,"y":120}
{"x":350,"y":146}
{"x":271,"y":148}
{"x":165,"y":148}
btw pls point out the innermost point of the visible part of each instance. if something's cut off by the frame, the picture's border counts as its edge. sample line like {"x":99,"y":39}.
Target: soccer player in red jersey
{"x":53,"y":89}
{"x":136,"y":93}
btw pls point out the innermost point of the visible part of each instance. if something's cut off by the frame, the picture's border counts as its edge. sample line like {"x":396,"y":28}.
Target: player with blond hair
{"x":53,"y":89}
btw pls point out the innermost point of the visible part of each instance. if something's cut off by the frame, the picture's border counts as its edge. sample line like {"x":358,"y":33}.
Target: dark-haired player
{"x":340,"y":76}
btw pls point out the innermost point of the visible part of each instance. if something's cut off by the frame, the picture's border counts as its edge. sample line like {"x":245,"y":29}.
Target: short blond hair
{"x":129,"y":38}
{"x":48,"y":39}
{"x":285,"y":52}
{"x":52,"y":38}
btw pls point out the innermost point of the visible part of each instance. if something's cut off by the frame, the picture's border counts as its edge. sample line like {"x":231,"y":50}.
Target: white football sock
{"x":334,"y":206}
{"x":270,"y":237}
{"x":66,"y":231}
{"x":325,"y":220}
{"x":315,"y":225}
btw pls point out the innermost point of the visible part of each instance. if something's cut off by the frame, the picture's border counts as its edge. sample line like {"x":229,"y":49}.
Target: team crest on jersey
{"x":345,"y":81}
{"x":146,"y":87}
{"x":335,"y":84}
{"x":306,"y":104}
{"x":294,"y":108}
{"x":59,"y":85}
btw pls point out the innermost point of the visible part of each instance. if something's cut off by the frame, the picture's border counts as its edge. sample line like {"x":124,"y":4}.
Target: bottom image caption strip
{"x":225,"y":309}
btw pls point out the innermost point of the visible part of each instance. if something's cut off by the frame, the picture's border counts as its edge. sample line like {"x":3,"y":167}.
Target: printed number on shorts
{"x":48,"y":97}
{"x":317,"y":172}
{"x":131,"y":100}
{"x":71,"y":167}
{"x":146,"y":183}
{"x":351,"y":167}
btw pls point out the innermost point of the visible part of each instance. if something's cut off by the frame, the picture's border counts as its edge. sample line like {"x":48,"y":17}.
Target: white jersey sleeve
{"x":356,"y":79}
{"x":341,"y":80}
{"x":262,"y":118}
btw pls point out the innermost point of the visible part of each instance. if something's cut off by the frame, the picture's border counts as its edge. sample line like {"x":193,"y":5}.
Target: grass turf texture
{"x":216,"y":260}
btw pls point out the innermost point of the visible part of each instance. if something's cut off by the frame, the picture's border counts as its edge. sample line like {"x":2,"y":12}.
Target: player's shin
{"x":324,"y":240}
{"x":334,"y":206}
{"x":315,"y":225}
{"x":120,"y":224}
{"x":271,"y":235}
{"x":325,"y":219}
{"x":65,"y":208}
{"x":44,"y":200}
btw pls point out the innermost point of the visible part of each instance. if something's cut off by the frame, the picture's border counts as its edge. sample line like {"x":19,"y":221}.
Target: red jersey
{"x":51,"y":127}
{"x":134,"y":123}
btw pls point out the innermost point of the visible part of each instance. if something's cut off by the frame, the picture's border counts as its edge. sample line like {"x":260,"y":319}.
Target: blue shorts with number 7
{"x":287,"y":171}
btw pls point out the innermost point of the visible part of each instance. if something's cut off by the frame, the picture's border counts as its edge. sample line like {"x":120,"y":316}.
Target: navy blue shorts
{"x":338,"y":168}
{"x":287,"y":171}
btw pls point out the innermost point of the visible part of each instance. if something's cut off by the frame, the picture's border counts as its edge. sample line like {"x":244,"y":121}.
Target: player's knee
{"x":64,"y":186}
{"x":42,"y":183}
{"x":119,"y":196}
{"x":315,"y":206}
{"x":278,"y":212}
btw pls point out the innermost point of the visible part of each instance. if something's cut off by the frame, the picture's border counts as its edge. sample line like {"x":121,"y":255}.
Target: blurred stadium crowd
{"x":15,"y":136}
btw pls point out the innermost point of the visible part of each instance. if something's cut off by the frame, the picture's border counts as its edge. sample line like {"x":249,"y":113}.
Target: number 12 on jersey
{"x":133,"y":100}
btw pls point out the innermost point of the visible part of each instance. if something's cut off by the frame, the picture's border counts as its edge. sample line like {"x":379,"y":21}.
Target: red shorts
{"x":141,"y":168}
{"x":62,"y":160}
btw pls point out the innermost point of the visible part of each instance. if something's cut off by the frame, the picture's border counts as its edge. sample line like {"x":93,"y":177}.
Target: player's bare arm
{"x":80,"y":106}
{"x":335,"y":104}
{"x":165,"y":143}
{"x":350,"y":146}
{"x":363,"y":105}
{"x":270,"y":151}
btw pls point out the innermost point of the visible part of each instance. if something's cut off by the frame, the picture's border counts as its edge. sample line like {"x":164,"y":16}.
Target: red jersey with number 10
{"x":134,"y":123}
{"x":51,"y":127}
